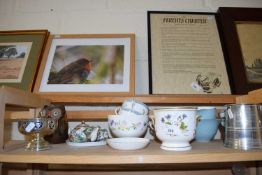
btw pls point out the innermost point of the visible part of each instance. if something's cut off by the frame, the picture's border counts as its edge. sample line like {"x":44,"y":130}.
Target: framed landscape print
{"x":99,"y":64}
{"x":20,"y":56}
{"x":241,"y":29}
{"x":185,"y":54}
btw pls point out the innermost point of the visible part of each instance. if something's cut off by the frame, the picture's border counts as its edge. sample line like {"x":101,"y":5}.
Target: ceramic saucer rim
{"x":129,"y":140}
{"x":85,"y":144}
{"x":128,"y":143}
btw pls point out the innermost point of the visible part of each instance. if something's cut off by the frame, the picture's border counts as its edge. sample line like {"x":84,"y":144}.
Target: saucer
{"x":86,"y":144}
{"x":128,"y":143}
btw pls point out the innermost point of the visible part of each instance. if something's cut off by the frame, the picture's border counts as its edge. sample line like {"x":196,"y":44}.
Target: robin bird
{"x":74,"y":73}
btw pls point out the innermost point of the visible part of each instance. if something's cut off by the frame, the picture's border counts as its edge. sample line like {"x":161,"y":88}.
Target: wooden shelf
{"x":211,"y":152}
{"x":252,"y":97}
{"x":12,"y":96}
{"x":149,"y":99}
{"x":102,"y":155}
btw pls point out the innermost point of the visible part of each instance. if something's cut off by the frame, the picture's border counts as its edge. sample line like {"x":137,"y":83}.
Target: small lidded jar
{"x":85,"y":133}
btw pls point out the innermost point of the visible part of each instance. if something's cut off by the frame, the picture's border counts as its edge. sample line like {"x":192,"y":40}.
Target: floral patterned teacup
{"x":175,"y":127}
{"x":126,"y":126}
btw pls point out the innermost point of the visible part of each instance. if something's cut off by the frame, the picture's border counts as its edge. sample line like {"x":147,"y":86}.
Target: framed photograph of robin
{"x":91,"y":64}
{"x":20,"y":55}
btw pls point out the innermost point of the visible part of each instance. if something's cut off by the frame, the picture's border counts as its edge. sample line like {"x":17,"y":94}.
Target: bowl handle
{"x":151,"y":123}
{"x":198,"y":118}
{"x":222,"y":116}
{"x":117,"y":110}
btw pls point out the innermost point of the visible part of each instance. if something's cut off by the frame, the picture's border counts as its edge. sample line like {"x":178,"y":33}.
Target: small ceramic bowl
{"x":128,"y":143}
{"x":128,"y":125}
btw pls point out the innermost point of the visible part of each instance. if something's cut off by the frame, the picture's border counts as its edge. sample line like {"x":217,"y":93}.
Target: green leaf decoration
{"x":183,"y":126}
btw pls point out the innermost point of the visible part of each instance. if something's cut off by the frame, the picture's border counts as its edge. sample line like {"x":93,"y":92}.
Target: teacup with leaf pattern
{"x":175,"y":127}
{"x":128,"y":125}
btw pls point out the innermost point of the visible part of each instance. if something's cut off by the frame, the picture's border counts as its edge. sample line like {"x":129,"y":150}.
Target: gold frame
{"x":131,"y":84}
{"x":38,"y":39}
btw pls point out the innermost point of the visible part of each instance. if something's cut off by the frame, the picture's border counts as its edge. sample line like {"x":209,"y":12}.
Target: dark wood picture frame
{"x":228,"y":18}
{"x":32,"y":43}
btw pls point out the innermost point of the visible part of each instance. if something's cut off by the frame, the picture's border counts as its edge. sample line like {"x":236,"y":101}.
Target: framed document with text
{"x":185,"y":54}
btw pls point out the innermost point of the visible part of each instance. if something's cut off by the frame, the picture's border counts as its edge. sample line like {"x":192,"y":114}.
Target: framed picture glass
{"x":20,"y":56}
{"x":185,"y":54}
{"x":101,"y":64}
{"x":241,"y":29}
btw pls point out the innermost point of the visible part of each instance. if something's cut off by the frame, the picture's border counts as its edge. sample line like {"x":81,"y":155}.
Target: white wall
{"x":102,"y":16}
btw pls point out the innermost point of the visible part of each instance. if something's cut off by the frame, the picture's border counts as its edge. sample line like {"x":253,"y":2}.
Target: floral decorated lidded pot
{"x":85,"y":133}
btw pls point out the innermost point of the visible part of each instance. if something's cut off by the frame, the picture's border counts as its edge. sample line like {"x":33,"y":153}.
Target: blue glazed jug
{"x":206,"y":129}
{"x":207,"y":124}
